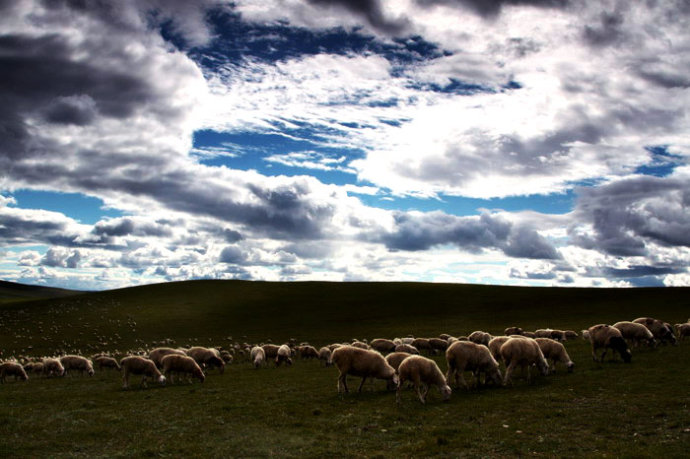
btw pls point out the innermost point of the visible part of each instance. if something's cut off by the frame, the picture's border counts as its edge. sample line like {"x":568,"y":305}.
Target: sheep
{"x":308,"y":352}
{"x":382,"y":345}
{"x":394,"y":359}
{"x":226,"y":356}
{"x":607,"y":337}
{"x":270,"y":350}
{"x":570,"y":334}
{"x":106,"y":362}
{"x":468,"y":356}
{"x":522,"y":352}
{"x":635,"y":333}
{"x":206,"y":358}
{"x":662,"y":332}
{"x":423,"y":372}
{"x":283,"y":355}
{"x":53,"y":367}
{"x":683,"y":330}
{"x":410,"y":349}
{"x":584,"y":334}
{"x":138,"y":365}
{"x":557,"y":335}
{"x":529,"y":334}
{"x":258,"y":356}
{"x":495,"y":345}
{"x":158,"y":353}
{"x":360,"y":344}
{"x":555,"y":352}
{"x":513,"y":331}
{"x":77,"y":362}
{"x":363,"y":363}
{"x":182,"y":364}
{"x":543,"y":333}
{"x":34,"y":367}
{"x":12,"y":369}
{"x":439,"y":344}
{"x":480,"y":337}
{"x":325,"y":356}
{"x":422,"y":344}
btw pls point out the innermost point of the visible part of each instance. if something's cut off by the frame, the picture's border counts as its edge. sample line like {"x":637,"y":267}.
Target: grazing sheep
{"x":607,"y":337}
{"x":525,"y":353}
{"x":258,"y":356}
{"x":683,"y":330}
{"x":543,"y":333}
{"x":394,"y":359}
{"x":423,"y":373}
{"x":555,"y":352}
{"x":635,"y":333}
{"x":480,"y":337}
{"x":226,"y":356}
{"x":360,"y":344}
{"x":529,"y":334}
{"x":283,"y":355}
{"x":158,"y":353}
{"x":662,"y":332}
{"x":384,"y":346}
{"x":570,"y":334}
{"x":34,"y":367}
{"x":308,"y":352}
{"x":206,"y":358}
{"x":12,"y":369}
{"x":138,"y":365}
{"x":439,"y":344}
{"x":513,"y":331}
{"x":182,"y":365}
{"x":363,"y":363}
{"x":495,"y":345}
{"x":585,"y":334}
{"x":270,"y":350}
{"x":53,"y":367}
{"x":77,"y":362}
{"x":468,"y":356}
{"x":410,"y":349}
{"x":557,"y":335}
{"x":103,"y":361}
{"x":325,"y":356}
{"x":422,"y":344}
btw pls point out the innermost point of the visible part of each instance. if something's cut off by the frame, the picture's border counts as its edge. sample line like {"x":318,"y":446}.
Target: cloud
{"x":492,"y":8}
{"x":370,"y":11}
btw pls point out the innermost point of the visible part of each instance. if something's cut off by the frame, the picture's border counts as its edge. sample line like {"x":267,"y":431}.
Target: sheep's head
{"x":445,"y":392}
{"x":161,"y":380}
{"x":396,"y":379}
{"x":570,"y":365}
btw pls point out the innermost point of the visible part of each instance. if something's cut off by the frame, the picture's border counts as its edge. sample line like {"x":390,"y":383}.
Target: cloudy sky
{"x":516,"y":142}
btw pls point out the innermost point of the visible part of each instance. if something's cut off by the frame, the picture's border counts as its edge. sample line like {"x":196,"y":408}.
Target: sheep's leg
{"x":398,"y":391}
{"x":449,"y":374}
{"x":509,"y":372}
{"x":603,"y":354}
{"x":125,"y":380}
{"x":342,"y":380}
{"x":361,"y":384}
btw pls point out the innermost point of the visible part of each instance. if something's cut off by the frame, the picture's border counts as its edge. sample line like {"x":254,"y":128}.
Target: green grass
{"x":612,"y":409}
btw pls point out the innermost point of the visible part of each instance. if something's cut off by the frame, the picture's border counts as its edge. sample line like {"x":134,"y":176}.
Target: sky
{"x":508,"y":142}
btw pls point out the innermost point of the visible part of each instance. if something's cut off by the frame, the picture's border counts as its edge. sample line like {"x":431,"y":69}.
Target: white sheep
{"x":683,"y":330}
{"x":439,"y":344}
{"x":325,"y":356}
{"x":523,"y":352}
{"x":394,"y":359}
{"x":607,"y":337}
{"x":138,"y":365}
{"x":157,"y":354}
{"x":307,"y":351}
{"x":635,"y":333}
{"x":662,"y":331}
{"x":496,"y":343}
{"x":182,"y":365}
{"x":363,"y":363}
{"x":206,"y":358}
{"x":257,"y":356}
{"x":555,"y":353}
{"x":283,"y":355}
{"x":468,"y":356}
{"x":77,"y":362}
{"x":12,"y":369}
{"x":513,"y":331}
{"x":422,"y":344}
{"x":410,"y":349}
{"x":423,"y":372}
{"x":270,"y":350}
{"x":480,"y":337}
{"x":382,"y":345}
{"x":103,"y":361}
{"x":53,"y":367}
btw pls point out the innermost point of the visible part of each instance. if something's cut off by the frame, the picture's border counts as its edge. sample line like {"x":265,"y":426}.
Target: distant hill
{"x":211,"y":311}
{"x":11,"y":291}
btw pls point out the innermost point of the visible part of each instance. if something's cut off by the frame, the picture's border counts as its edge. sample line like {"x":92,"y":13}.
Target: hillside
{"x":321,"y":312}
{"x":12,"y":291}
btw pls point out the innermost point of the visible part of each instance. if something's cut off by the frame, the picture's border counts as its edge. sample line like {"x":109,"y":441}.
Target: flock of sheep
{"x":396,"y":360}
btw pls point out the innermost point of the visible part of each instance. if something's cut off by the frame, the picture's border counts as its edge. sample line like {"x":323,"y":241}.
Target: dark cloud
{"x":423,"y":231}
{"x":233,"y":255}
{"x":628,"y":213}
{"x":370,"y":11}
{"x":71,"y":110}
{"x":492,"y":8}
{"x":607,"y":32}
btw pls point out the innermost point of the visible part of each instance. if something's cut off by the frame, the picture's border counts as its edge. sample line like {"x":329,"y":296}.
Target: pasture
{"x":610,"y":409}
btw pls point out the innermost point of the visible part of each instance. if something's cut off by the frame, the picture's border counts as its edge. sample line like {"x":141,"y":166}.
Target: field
{"x":610,"y":409}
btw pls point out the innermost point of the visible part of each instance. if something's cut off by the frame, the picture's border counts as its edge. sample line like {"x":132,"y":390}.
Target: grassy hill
{"x":637,"y":410}
{"x":11,"y":292}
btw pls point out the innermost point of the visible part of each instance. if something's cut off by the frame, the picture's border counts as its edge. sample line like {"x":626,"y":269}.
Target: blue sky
{"x":515,"y":143}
